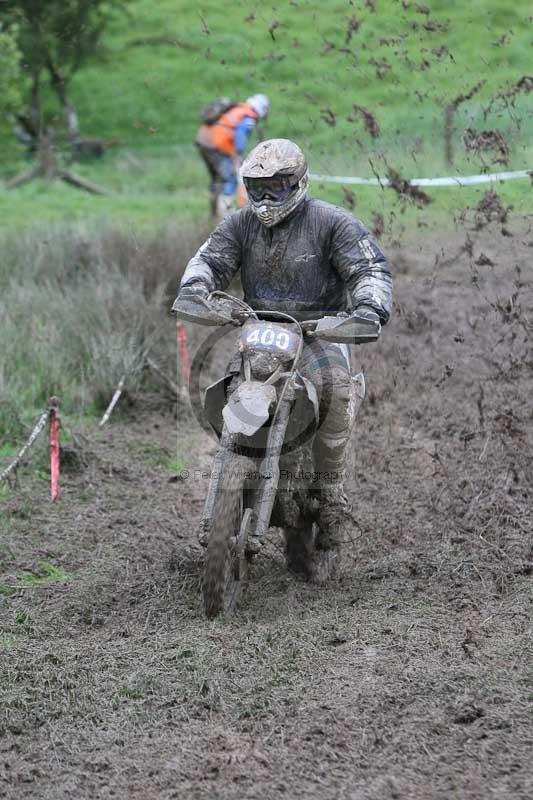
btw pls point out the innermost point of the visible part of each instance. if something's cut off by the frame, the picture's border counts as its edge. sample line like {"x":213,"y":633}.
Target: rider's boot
{"x":333,"y":516}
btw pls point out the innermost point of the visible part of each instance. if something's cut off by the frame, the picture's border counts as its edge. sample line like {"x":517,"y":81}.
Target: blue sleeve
{"x":242,"y":132}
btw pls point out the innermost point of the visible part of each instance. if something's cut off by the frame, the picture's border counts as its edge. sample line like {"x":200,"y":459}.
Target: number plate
{"x":269,"y":336}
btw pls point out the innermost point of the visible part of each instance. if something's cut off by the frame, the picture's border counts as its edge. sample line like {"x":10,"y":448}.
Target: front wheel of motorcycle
{"x":226,"y":564}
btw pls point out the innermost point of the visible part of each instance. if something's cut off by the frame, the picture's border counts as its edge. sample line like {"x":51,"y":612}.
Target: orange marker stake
{"x":55,"y":424}
{"x":184,"y":353}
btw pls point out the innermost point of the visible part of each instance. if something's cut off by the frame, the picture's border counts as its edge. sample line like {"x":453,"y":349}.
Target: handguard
{"x":352,"y":330}
{"x":195,"y":308}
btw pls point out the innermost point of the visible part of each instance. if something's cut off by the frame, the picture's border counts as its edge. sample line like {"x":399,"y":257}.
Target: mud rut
{"x":412,"y":678}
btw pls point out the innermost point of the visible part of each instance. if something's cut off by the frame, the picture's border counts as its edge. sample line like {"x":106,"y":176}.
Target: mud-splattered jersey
{"x":319,"y":261}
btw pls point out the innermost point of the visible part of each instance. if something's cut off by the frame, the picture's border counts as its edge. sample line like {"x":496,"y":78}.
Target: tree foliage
{"x":60,"y":34}
{"x":10,"y":72}
{"x":56,"y":37}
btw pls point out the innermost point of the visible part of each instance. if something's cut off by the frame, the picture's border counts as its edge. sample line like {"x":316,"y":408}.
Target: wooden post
{"x":114,"y":401}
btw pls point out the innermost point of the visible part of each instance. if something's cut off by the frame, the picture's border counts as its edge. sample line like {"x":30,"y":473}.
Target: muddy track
{"x":410,"y":678}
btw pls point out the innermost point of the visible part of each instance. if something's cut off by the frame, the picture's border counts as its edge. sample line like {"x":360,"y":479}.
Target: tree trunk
{"x":47,"y":157}
{"x":35,"y":104}
{"x":59,"y":86}
{"x":28,"y":121}
{"x":24,"y":177}
{"x":81,"y":183}
{"x":72,"y":120}
{"x":47,"y":167}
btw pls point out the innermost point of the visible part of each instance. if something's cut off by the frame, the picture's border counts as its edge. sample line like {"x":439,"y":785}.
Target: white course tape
{"x":452,"y":180}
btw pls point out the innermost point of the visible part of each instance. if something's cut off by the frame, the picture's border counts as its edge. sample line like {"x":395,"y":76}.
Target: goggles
{"x":277,"y":188}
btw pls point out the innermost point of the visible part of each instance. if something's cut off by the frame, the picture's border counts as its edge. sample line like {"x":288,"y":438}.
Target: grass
{"x":43,"y":574}
{"x":176,"y":464}
{"x":92,"y":306}
{"x":153,"y":454}
{"x":316,"y":63}
{"x":142,"y":206}
{"x":130,"y":693}
{"x":294,"y":51}
{"x":87,"y":279}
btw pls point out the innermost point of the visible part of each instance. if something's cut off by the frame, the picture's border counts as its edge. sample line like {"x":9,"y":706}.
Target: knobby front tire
{"x":225,"y":566}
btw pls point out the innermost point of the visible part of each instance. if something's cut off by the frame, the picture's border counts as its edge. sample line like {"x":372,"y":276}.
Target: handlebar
{"x":204,"y":311}
{"x":347,"y":330}
{"x":308,"y":326}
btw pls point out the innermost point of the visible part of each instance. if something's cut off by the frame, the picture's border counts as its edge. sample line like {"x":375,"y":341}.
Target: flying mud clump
{"x":406,"y":192}
{"x":486,"y":141}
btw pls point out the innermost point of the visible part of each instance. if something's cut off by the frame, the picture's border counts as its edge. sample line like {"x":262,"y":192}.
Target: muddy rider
{"x":307,"y":258}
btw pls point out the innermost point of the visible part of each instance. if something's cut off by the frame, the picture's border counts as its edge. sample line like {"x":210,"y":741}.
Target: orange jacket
{"x":220,"y":135}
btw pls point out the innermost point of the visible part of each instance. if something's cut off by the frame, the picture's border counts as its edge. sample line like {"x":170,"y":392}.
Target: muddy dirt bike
{"x":265,"y":413}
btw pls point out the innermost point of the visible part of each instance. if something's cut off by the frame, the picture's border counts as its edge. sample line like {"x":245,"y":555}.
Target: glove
{"x":365,"y":312}
{"x":194,"y":290}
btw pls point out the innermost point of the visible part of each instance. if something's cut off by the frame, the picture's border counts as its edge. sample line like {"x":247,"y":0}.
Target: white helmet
{"x":275,"y":176}
{"x":260,"y":104}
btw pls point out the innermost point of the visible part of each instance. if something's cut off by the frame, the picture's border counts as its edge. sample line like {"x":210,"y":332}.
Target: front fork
{"x":268,"y":471}
{"x":222,"y":461}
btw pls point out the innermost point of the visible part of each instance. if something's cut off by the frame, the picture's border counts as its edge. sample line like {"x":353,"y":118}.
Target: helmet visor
{"x":277,"y":188}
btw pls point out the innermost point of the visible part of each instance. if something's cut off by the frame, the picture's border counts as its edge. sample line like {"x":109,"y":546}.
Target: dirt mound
{"x":411,"y":678}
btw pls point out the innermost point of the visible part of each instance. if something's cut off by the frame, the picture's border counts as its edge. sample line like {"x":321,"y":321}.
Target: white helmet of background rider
{"x":275,"y":176}
{"x":260,"y":104}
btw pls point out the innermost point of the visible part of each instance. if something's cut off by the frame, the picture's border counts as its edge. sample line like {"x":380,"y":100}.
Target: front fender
{"x":214,"y":401}
{"x":249,"y":407}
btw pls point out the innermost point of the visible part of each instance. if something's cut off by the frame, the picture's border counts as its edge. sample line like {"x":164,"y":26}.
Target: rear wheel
{"x":226,"y":565}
